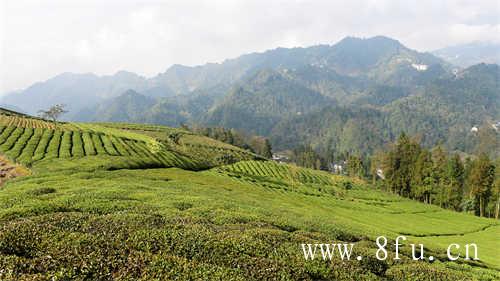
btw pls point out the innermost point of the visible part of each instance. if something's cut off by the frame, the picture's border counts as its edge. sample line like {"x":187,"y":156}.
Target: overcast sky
{"x":40,"y":39}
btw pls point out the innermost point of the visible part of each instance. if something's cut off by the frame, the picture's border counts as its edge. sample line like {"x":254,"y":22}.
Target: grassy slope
{"x":88,"y":218}
{"x":28,"y":141}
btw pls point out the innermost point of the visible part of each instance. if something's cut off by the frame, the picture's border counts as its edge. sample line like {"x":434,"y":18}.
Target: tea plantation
{"x":143,"y":202}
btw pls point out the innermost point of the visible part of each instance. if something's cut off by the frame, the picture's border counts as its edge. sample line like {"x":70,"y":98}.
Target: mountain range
{"x":353,"y":96}
{"x":466,"y":55}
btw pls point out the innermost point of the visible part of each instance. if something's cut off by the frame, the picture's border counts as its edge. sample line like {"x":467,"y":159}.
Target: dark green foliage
{"x":481,"y":180}
{"x":399,"y":164}
{"x":455,"y":190}
{"x":264,"y":99}
{"x":424,"y":180}
{"x":347,"y":185}
{"x":434,"y":177}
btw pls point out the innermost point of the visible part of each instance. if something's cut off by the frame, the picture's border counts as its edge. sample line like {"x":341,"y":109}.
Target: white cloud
{"x":466,"y":33}
{"x":44,"y":38}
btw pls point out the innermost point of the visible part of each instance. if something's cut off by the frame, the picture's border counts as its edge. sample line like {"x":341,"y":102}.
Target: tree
{"x":355,"y":166}
{"x":440,"y":160}
{"x":423,"y":181}
{"x":261,"y":146}
{"x":455,"y":188}
{"x":306,"y":156}
{"x":398,"y":165}
{"x":267,"y":150}
{"x":53,"y":113}
{"x":496,"y":189}
{"x":481,"y":180}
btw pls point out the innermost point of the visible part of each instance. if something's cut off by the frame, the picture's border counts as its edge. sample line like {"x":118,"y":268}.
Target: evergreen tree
{"x":423,"y":181}
{"x":481,"y":180}
{"x":440,"y":160}
{"x":267,"y":149}
{"x":455,"y":188}
{"x":399,"y":164}
{"x":496,"y":189}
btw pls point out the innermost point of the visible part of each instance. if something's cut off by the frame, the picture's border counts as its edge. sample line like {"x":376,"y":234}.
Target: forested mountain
{"x":449,"y":108}
{"x":259,"y":103}
{"x":354,"y":96}
{"x":380,"y":58}
{"x":444,"y":111}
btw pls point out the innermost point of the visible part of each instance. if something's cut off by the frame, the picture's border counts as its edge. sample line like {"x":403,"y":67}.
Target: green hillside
{"x":117,"y":201}
{"x":28,"y":141}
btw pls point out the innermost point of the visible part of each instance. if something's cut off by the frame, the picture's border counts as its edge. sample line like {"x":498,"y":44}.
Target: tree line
{"x":407,"y":168}
{"x":435,"y":176}
{"x":256,"y":144}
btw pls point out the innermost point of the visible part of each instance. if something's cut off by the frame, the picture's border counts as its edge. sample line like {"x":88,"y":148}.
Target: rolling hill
{"x":120,"y":201}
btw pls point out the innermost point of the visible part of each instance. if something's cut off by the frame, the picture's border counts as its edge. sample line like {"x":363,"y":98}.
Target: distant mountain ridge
{"x":350,"y":56}
{"x":284,"y":94}
{"x":466,"y":55}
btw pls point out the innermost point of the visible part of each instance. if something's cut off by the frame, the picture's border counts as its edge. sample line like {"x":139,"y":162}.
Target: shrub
{"x":77,"y":148}
{"x":88,"y":144}
{"x":42,"y":146}
{"x":182,"y":206}
{"x":66,"y":144}
{"x":42,"y":190}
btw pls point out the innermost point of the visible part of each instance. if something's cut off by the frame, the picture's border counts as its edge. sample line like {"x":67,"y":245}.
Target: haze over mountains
{"x":466,"y":55}
{"x":353,"y":96}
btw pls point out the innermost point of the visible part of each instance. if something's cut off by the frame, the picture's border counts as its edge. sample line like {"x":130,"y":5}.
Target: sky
{"x":41,"y":39}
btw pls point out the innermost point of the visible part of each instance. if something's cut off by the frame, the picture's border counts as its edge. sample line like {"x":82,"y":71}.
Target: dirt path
{"x":9,"y":170}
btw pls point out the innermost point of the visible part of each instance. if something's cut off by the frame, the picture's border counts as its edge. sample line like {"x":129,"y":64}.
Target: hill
{"x":29,"y":141}
{"x":162,"y":203}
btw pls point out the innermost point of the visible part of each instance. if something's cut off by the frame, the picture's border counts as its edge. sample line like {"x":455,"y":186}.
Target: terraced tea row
{"x":28,"y":122}
{"x":27,"y":145}
{"x":201,"y":148}
{"x":279,"y":171}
